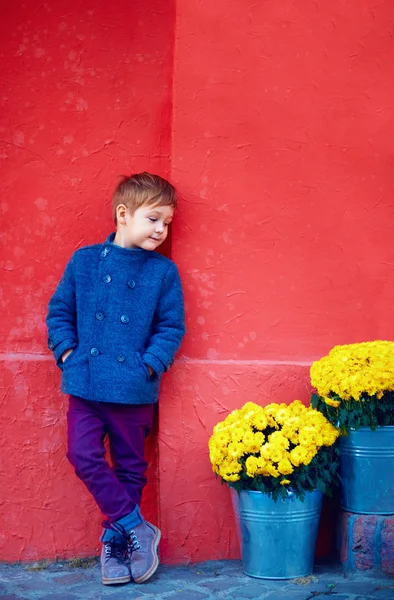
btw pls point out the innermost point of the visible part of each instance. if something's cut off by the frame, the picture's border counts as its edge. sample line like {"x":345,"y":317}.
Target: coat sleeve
{"x":61,"y":318}
{"x":169,"y":324}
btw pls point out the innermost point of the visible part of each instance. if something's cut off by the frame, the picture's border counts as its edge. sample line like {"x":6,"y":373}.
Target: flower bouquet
{"x":274,"y":448}
{"x":355,"y":385}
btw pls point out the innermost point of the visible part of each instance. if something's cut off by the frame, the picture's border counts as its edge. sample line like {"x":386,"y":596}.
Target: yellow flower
{"x":259,"y":438}
{"x":254,"y":415}
{"x":261,"y":466}
{"x":331,"y":402}
{"x":281,"y":415}
{"x":310,"y":454}
{"x":330,"y":435}
{"x":236,"y":450}
{"x":285,"y":467}
{"x":228,"y":468}
{"x":272,"y":452}
{"x":233,"y":477}
{"x":271,"y":470}
{"x":285,"y":482}
{"x":251,"y":466}
{"x":310,"y":436}
{"x":298,"y":456}
{"x":236,"y":433}
{"x":270,"y":442}
{"x":270,"y":412}
{"x":222,"y":438}
{"x":353,"y":370}
{"x":278,"y":439}
{"x":297,"y":408}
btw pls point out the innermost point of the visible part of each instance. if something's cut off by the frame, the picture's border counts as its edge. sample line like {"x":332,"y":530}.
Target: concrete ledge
{"x":367,"y":543}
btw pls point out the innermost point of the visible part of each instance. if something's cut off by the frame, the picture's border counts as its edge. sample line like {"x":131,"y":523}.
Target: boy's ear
{"x":122,"y":214}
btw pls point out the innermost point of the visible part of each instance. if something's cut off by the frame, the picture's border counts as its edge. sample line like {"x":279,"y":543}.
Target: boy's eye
{"x":152,"y":219}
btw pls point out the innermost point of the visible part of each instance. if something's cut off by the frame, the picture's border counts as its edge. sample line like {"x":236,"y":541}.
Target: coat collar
{"x":110,"y":248}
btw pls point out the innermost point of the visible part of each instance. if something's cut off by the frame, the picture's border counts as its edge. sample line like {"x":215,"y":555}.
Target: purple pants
{"x":117,"y":491}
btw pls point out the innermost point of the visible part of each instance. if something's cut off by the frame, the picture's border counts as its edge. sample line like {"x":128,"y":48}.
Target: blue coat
{"x":120,"y":309}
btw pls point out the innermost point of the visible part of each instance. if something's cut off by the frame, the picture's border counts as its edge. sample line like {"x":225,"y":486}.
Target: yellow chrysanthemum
{"x":310,"y":454}
{"x":259,"y":438}
{"x":270,"y":442}
{"x":285,"y":467}
{"x":270,"y":412}
{"x":229,"y":468}
{"x":236,"y":450}
{"x":272,"y":452}
{"x":233,"y":477}
{"x":310,"y":436}
{"x":330,"y":435}
{"x":271,"y":470}
{"x":281,"y":415}
{"x":331,"y":402}
{"x":278,"y":439}
{"x":236,"y":433}
{"x":251,"y":466}
{"x":298,"y":456}
{"x":222,"y":437}
{"x":352,"y":370}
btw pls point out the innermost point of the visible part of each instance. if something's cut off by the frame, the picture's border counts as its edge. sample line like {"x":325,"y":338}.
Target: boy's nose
{"x":159,"y":227}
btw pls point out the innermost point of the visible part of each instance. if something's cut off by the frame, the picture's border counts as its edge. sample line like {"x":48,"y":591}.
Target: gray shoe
{"x":142,"y":544}
{"x":115,"y":563}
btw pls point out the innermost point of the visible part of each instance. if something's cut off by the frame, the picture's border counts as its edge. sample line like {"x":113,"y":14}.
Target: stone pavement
{"x":80,"y":580}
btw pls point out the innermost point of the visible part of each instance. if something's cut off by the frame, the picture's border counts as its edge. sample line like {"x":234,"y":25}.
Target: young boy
{"x":115,"y":323}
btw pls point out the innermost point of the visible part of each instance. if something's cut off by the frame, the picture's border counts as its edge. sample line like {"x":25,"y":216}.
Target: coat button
{"x":107,"y":278}
{"x":50,"y":344}
{"x":124,"y":319}
{"x":105,"y":252}
{"x":99,"y":316}
{"x":94,"y":352}
{"x":131,"y":284}
{"x":120,"y":357}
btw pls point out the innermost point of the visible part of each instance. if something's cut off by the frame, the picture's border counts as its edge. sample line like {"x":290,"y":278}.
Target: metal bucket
{"x":277,"y":539}
{"x":367,"y":471}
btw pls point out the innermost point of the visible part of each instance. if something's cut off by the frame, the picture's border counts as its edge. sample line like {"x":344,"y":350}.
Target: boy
{"x":115,"y":323}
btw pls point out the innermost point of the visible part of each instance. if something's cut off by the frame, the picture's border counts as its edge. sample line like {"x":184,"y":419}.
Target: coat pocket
{"x":120,"y":377}
{"x":145,"y":368}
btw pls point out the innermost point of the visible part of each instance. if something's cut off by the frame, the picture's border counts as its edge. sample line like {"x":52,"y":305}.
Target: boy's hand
{"x":151,"y":371}
{"x":66,"y":353}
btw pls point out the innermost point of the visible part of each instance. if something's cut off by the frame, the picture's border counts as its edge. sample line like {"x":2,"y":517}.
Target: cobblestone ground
{"x":80,"y":580}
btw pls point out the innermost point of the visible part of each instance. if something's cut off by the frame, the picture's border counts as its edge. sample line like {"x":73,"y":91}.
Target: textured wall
{"x":85,"y":97}
{"x":281,"y":128}
{"x":283,"y":145}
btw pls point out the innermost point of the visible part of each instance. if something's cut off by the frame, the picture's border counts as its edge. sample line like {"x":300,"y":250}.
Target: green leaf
{"x":315,"y":400}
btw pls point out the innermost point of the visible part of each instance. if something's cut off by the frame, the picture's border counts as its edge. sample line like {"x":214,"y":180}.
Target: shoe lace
{"x":132,"y":542}
{"x":130,"y":536}
{"x":112,"y":549}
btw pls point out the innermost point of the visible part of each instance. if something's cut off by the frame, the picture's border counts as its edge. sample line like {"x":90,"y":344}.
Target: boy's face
{"x":147,"y":228}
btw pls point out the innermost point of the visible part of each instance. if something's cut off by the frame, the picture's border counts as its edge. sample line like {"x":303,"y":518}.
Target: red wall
{"x":275,"y":120}
{"x":283,"y":146}
{"x":86,"y":97}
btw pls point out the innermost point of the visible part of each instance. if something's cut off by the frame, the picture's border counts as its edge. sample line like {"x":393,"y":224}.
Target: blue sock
{"x":128,"y":522}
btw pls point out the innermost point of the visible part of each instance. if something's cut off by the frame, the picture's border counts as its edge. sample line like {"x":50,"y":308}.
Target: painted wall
{"x":283,"y":146}
{"x":86,"y":97}
{"x":277,"y":130}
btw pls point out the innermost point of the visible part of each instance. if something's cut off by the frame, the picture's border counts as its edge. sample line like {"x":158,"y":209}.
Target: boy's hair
{"x":143,"y":188}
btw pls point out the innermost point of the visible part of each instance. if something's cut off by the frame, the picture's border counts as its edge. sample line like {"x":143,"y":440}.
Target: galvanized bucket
{"x":367,"y":471}
{"x":277,"y":539}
